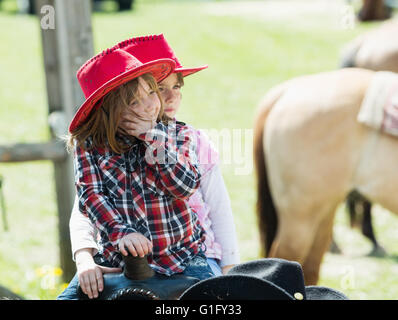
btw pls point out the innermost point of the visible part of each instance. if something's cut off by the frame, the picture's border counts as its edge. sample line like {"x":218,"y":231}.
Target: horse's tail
{"x":267,"y":219}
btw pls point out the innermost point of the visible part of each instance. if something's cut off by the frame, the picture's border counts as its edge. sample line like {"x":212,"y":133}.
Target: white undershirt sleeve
{"x":82,"y":231}
{"x":215,"y":195}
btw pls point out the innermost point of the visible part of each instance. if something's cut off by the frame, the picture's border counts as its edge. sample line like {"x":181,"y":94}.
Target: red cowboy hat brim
{"x":188,"y":71}
{"x":160,"y":69}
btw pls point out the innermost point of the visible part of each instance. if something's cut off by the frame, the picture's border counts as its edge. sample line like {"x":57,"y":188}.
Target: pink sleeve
{"x":206,"y":153}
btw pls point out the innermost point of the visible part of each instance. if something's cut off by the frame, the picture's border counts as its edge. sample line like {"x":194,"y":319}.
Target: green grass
{"x":246,"y":56}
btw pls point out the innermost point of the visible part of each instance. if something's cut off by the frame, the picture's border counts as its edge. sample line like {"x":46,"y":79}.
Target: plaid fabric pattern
{"x":144,"y":190}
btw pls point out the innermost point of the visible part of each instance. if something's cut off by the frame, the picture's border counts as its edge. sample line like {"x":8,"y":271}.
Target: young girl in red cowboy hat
{"x":211,"y":201}
{"x":135,"y":186}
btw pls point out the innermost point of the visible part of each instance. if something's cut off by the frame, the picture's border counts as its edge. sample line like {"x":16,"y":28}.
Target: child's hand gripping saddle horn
{"x":139,"y":282}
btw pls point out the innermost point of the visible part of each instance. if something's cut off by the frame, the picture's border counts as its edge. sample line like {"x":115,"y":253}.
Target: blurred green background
{"x":249,"y":46}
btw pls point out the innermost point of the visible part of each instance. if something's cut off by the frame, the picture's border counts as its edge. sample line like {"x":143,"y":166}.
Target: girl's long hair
{"x":102,"y":125}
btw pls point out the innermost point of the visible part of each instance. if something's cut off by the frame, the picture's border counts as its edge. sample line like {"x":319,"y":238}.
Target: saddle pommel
{"x":137,"y":268}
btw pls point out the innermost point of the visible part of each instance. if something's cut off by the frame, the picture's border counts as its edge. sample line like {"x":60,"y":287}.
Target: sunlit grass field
{"x":247,"y":54}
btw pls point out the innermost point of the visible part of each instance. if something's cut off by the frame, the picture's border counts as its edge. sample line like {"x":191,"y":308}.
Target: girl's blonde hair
{"x":102,"y":125}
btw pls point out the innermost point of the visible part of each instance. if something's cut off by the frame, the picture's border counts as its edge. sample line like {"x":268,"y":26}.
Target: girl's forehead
{"x":171,"y":79}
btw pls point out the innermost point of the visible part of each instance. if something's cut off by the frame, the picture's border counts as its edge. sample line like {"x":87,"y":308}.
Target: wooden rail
{"x":20,"y":152}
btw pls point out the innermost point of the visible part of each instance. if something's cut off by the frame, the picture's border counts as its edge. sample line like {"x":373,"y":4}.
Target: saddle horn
{"x":137,"y":268}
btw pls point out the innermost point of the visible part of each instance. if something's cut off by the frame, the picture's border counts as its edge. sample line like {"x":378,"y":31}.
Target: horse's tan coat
{"x":316,"y":152}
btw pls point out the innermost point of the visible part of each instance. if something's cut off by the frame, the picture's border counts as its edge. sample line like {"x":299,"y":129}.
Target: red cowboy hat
{"x":108,"y":70}
{"x":154,"y":47}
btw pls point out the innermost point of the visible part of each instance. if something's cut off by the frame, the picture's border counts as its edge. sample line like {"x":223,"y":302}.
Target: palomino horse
{"x":376,"y":51}
{"x":309,"y":153}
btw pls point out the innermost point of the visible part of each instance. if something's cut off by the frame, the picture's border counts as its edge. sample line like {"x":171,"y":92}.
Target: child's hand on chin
{"x":135,"y":126}
{"x":136,"y":244}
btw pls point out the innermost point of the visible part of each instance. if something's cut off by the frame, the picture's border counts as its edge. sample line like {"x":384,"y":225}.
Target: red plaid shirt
{"x":145,"y":190}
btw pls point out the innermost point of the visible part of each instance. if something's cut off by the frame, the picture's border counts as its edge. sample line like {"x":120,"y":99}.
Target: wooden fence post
{"x":65,"y":48}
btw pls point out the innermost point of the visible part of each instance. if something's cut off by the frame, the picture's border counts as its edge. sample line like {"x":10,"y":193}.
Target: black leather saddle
{"x":139,"y":282}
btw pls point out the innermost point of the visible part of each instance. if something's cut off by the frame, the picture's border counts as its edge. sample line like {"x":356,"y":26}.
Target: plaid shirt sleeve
{"x":93,"y":200}
{"x":171,"y":152}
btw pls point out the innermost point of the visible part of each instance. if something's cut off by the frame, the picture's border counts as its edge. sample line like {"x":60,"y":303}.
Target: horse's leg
{"x":352,"y":199}
{"x":367,"y":230}
{"x":321,"y":243}
{"x":294,"y":237}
